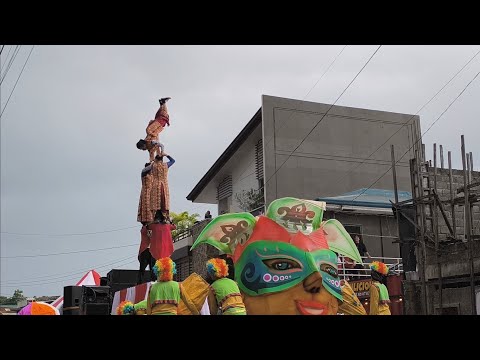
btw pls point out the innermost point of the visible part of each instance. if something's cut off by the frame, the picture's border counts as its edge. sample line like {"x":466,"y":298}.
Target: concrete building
{"x":335,"y":151}
{"x":331,"y":153}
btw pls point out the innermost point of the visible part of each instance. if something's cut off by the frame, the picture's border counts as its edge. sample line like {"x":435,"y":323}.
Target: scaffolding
{"x":430,"y":211}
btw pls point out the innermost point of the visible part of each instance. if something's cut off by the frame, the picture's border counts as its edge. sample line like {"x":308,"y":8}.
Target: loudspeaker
{"x":72,"y":300}
{"x":103,"y":281}
{"x":96,"y":300}
{"x":120,"y":276}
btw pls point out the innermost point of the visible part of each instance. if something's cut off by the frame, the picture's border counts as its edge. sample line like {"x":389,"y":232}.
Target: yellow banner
{"x":361,"y":288}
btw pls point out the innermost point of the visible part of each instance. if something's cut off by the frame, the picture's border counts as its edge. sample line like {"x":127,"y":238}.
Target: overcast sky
{"x":69,"y":164}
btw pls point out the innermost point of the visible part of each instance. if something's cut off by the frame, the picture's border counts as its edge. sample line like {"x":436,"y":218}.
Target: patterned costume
{"x":160,"y":194}
{"x":379,"y":299}
{"x":145,"y":213}
{"x":225,"y":294}
{"x":154,"y":128}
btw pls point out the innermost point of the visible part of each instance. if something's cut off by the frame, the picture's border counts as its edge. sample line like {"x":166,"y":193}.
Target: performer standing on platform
{"x":164,"y":296}
{"x":160,"y":194}
{"x":145,"y":215}
{"x":379,"y":299}
{"x":224,"y":297}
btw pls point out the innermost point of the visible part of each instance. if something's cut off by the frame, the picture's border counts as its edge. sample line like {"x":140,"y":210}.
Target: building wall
{"x":443,"y":188}
{"x":243,"y":175}
{"x":373,"y":228}
{"x":454,"y":257}
{"x":341,"y":141}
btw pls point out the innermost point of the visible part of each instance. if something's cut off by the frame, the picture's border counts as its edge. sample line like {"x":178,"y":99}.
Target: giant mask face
{"x":285,"y":262}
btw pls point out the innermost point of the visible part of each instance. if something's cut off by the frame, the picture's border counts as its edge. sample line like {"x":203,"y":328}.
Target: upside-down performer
{"x":126,"y":308}
{"x":379,"y":299}
{"x":154,"y":128}
{"x":164,"y":295}
{"x":224,"y":297}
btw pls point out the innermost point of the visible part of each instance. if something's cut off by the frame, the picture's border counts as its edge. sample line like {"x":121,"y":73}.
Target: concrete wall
{"x":241,"y":178}
{"x":454,"y":257}
{"x":373,"y":227}
{"x":342,"y":140}
{"x":443,"y":188}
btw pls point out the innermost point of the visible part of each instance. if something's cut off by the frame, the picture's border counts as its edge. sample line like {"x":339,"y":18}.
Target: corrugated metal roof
{"x":377,"y":198}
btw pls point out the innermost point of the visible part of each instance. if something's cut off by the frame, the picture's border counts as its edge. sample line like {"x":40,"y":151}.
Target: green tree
{"x":3,"y":300}
{"x":17,"y":296}
{"x":182,"y":221}
{"x":249,"y":200}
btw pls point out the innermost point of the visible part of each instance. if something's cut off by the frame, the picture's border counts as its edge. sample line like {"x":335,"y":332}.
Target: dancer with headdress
{"x":164,"y":296}
{"x":224,"y":297}
{"x":379,"y":299}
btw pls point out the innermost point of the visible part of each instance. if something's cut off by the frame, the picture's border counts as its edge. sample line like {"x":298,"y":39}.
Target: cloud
{"x":68,"y":158}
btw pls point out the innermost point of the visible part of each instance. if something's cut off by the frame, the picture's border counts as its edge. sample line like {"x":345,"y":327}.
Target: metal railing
{"x":350,"y":270}
{"x":191,"y":230}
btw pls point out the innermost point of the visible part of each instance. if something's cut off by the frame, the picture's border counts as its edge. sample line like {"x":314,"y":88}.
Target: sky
{"x":70,"y":171}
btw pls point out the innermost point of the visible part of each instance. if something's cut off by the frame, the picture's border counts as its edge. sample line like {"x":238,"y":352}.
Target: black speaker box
{"x":121,"y":276}
{"x":72,"y":300}
{"x":96,"y":294}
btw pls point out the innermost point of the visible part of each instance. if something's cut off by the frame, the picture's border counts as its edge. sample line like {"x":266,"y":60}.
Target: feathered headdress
{"x":379,"y":267}
{"x":125,"y":308}
{"x":164,"y":269}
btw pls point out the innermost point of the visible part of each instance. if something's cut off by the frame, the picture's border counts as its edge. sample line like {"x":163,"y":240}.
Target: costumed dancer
{"x":145,"y":215}
{"x":126,"y":308}
{"x":154,"y":128}
{"x":160,"y":194}
{"x":224,"y":297}
{"x":351,"y":305}
{"x":379,"y":299}
{"x":164,"y":296}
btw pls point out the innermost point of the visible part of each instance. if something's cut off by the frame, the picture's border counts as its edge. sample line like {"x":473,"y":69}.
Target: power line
{"x":10,"y":63}
{"x":61,"y":278}
{"x":66,"y":253}
{"x":326,"y":113}
{"x":73,"y":272}
{"x":72,"y":234}
{"x":51,"y":282}
{"x":408,"y":121}
{"x":1,"y":50}
{"x":420,"y":138}
{"x":293,"y":112}
{"x":16,"y":82}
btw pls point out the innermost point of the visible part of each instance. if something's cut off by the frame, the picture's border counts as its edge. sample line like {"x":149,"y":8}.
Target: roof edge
{"x":226,"y":155}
